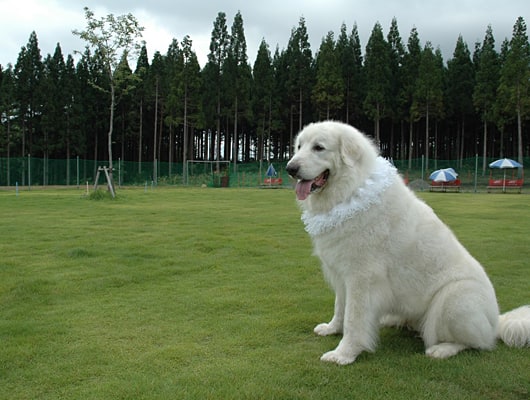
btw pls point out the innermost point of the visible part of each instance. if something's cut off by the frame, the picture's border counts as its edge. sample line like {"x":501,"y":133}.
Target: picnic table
{"x":451,"y":186}
{"x":505,"y":184}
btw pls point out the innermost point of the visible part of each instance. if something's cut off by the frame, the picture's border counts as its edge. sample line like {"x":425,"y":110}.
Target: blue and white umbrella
{"x":444,"y":175}
{"x":505,"y":163}
{"x":271,"y":171}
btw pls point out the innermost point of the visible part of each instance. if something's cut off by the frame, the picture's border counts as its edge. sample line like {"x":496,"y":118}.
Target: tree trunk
{"x":484,"y":148}
{"x":519,"y":137}
{"x":426,"y":151}
{"x":218,"y":133}
{"x":300,"y":111}
{"x":185,"y":141}
{"x":235,"y":139}
{"x":140,"y":136}
{"x":410,"y":144}
{"x":155,"y":174}
{"x":111,"y":128}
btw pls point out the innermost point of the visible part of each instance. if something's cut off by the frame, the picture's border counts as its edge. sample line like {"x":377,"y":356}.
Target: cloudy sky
{"x":440,"y":22}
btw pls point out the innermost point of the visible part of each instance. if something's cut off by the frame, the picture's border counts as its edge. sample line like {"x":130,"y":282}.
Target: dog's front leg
{"x":335,"y":326}
{"x":360,"y":328}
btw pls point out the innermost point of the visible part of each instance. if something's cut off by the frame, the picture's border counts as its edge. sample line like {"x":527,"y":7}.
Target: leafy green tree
{"x":486,"y":83}
{"x":112,"y":37}
{"x":428,"y":95}
{"x":378,"y":77}
{"x":328,"y":92}
{"x":514,"y":88}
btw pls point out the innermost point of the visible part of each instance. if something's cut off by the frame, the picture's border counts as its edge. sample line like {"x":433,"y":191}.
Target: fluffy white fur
{"x":388,"y":257}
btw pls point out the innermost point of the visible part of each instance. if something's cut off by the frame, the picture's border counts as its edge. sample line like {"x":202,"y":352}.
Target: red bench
{"x":445,"y":186}
{"x":272,"y":182}
{"x":505,"y":184}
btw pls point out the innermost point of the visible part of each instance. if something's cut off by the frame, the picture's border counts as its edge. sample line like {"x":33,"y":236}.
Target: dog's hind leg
{"x":463,"y":315}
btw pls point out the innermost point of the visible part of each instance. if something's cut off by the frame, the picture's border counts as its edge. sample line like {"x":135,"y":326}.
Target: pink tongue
{"x":303,"y":188}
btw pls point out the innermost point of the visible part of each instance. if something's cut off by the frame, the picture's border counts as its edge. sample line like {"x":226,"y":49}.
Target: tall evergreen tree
{"x":411,"y":64}
{"x":174,"y":114}
{"x":156,"y":85}
{"x":358,"y":89}
{"x":300,"y":78}
{"x":460,"y":83}
{"x":189,"y":94}
{"x":71,"y":140}
{"x":282,"y":126}
{"x":28,"y":76}
{"x":125,"y":87}
{"x":486,"y":83}
{"x":428,"y":95}
{"x":53,"y":121}
{"x":237,"y":80}
{"x":263,"y":75}
{"x":396,"y":112}
{"x":502,"y":117}
{"x":328,"y":92}
{"x":514,"y":88}
{"x":8,"y":109}
{"x":84,"y":90}
{"x":378,"y":77}
{"x":219,"y":44}
{"x":141,"y":72}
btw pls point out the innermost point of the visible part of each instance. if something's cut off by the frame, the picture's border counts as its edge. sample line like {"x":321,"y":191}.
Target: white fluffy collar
{"x":366,"y":195}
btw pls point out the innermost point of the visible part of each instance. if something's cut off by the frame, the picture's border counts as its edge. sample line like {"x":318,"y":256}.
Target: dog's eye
{"x":318,"y":147}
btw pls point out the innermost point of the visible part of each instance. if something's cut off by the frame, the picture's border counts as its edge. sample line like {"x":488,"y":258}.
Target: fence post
{"x":476,"y":171}
{"x":29,"y":171}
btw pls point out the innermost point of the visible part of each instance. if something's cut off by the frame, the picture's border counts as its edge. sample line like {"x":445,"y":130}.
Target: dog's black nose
{"x":292,"y":169}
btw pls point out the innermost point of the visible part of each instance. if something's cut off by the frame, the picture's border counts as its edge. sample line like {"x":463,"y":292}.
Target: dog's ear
{"x":350,"y":150}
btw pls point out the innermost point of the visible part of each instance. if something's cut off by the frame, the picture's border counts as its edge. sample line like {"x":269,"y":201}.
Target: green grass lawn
{"x":213,"y":294}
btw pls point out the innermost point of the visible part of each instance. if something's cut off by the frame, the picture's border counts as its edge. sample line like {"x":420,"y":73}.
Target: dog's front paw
{"x":326,"y":329}
{"x":337,"y":357}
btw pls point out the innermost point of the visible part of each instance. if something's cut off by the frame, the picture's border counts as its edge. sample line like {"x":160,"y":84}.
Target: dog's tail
{"x":514,"y":327}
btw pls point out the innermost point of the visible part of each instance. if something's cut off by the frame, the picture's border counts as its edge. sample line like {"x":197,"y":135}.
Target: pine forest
{"x":405,"y":94}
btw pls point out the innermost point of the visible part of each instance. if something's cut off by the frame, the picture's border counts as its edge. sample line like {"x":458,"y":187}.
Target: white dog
{"x":387,"y":256}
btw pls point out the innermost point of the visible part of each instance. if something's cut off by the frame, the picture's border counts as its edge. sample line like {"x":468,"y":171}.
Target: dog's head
{"x":330,"y":157}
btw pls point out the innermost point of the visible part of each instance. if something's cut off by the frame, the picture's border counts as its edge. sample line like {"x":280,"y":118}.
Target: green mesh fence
{"x":30,"y":171}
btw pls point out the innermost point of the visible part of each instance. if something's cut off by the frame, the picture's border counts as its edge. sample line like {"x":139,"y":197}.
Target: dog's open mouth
{"x":304,"y":187}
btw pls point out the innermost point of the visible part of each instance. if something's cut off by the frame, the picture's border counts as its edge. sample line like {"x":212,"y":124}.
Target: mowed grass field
{"x":213,"y":294}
